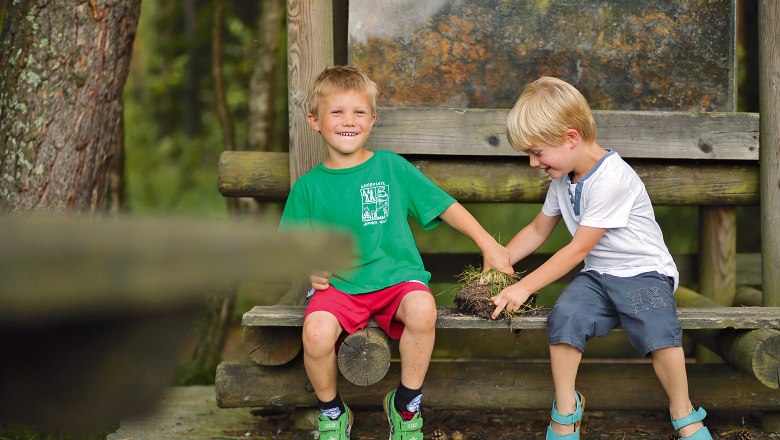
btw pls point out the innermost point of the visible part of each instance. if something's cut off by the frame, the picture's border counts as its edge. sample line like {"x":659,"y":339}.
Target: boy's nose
{"x":533,"y":160}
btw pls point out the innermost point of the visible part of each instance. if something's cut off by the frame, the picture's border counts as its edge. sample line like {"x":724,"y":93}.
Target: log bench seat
{"x":690,"y":318}
{"x":745,"y":337}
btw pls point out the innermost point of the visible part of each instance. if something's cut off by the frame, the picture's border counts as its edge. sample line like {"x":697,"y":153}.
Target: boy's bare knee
{"x":320,"y":332}
{"x":419,"y":311}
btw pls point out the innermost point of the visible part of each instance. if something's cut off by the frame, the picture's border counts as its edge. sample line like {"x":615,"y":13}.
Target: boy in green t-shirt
{"x":371,"y":195}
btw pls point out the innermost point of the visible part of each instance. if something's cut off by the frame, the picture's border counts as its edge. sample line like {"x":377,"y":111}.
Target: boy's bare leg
{"x":669,"y":366}
{"x":320,"y":333}
{"x":565,"y":361}
{"x":418,"y":313}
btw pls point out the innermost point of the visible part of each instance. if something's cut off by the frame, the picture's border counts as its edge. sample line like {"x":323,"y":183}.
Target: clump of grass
{"x":477,"y":289}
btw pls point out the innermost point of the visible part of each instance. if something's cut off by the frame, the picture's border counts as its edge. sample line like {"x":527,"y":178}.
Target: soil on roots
{"x":477,"y":300}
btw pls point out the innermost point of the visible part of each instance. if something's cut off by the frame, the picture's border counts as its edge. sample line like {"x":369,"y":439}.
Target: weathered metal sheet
{"x":622,"y":54}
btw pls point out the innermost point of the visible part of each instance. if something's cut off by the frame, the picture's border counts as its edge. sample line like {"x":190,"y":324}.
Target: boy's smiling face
{"x":344,"y":119}
{"x":555,"y":160}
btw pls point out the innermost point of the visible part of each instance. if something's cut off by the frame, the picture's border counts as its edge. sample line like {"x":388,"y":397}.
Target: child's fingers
{"x":500,"y":301}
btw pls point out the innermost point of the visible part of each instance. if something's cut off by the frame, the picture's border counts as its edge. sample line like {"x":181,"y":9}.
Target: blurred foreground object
{"x":94,"y":312}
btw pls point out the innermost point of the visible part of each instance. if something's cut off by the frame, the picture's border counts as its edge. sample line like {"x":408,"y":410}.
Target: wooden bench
{"x":709,"y":160}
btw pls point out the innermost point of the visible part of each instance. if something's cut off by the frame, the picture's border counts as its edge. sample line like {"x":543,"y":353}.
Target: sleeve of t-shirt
{"x":607,"y":206}
{"x":426,"y":200}
{"x":551,"y":208}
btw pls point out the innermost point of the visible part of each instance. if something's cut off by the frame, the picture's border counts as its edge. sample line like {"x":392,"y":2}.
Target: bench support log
{"x":500,"y":385}
{"x":754,"y":352}
{"x":364,"y":356}
{"x":272,"y":346}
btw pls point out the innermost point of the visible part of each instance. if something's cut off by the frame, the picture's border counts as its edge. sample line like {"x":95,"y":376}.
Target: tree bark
{"x":64,"y":69}
{"x":261,"y":86}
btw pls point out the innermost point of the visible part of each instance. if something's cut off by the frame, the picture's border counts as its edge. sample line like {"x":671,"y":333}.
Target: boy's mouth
{"x":348,"y":133}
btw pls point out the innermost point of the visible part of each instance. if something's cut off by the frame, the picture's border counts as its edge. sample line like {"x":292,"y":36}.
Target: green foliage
{"x":17,"y":431}
{"x":172,"y":133}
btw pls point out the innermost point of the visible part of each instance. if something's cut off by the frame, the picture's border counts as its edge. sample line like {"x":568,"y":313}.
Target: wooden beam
{"x":754,"y":351}
{"x":446,"y":266}
{"x":501,"y":385}
{"x":249,"y":174}
{"x":55,"y":267}
{"x":769,"y":105}
{"x":309,"y":51}
{"x":633,"y":134}
{"x":712,"y":317}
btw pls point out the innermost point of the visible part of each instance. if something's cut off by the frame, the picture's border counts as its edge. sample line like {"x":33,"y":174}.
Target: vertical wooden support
{"x":769,"y":153}
{"x":718,"y":254}
{"x":717,"y":262}
{"x":309,"y":51}
{"x":769,"y":157}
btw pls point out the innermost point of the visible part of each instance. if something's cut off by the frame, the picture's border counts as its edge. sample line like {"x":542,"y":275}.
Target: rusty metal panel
{"x":622,"y":54}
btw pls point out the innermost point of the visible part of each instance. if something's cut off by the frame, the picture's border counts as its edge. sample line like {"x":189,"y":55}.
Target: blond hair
{"x":545,"y":110}
{"x":341,"y":78}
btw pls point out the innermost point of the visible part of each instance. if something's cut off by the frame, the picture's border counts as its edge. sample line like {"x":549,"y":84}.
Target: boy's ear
{"x":314,"y":123}
{"x":572,"y":137}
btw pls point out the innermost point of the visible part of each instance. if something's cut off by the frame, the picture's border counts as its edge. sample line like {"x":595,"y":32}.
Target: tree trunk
{"x":64,"y":69}
{"x":261,"y":101}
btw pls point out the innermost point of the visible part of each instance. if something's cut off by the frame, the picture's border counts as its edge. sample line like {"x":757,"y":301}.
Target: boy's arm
{"x":514,"y":296}
{"x":494,"y":255}
{"x":531,"y":237}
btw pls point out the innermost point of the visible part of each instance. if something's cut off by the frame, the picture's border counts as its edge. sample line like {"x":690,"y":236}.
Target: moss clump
{"x":477,"y":289}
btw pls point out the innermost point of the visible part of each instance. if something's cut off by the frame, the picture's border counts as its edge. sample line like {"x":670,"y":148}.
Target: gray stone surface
{"x":189,"y":413}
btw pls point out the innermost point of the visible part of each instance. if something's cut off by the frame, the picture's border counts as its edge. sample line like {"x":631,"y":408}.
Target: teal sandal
{"x":695,"y":416}
{"x":574,"y":418}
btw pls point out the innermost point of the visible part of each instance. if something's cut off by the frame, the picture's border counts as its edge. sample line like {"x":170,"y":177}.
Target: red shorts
{"x":354,"y":311}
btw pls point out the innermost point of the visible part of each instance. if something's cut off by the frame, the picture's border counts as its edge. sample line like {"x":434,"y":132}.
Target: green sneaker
{"x":338,"y":429}
{"x":401,"y":429}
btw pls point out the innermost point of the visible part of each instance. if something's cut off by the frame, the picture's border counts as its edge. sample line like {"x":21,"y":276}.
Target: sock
{"x":332,"y":409}
{"x":407,"y":401}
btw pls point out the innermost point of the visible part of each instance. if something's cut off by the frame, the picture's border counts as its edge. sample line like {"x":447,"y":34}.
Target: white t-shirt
{"x":612,"y":196}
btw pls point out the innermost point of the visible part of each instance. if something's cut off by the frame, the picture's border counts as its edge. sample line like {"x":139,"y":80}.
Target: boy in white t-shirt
{"x":629,"y":276}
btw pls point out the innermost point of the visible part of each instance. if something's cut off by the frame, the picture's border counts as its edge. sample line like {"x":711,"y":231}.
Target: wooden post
{"x":718,"y":254}
{"x":769,"y":153}
{"x":309,"y":51}
{"x":769,"y":158}
{"x":717,"y":261}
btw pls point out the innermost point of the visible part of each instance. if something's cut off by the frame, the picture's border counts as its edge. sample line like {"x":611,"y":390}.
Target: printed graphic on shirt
{"x":376,"y":203}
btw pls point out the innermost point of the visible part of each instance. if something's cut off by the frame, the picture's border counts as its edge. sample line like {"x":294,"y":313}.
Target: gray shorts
{"x":594,"y":303}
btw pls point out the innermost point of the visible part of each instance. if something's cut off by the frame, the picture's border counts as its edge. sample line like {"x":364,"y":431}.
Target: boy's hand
{"x":319,"y":279}
{"x":511,"y":299}
{"x":497,"y":257}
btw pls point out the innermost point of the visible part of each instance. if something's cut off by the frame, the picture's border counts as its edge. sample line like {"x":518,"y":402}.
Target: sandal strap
{"x":693,"y":417}
{"x":567,"y":419}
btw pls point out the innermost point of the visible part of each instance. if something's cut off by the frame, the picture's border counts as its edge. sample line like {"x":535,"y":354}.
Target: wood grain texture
{"x":718,"y":253}
{"x":769,"y":105}
{"x":633,"y":134}
{"x":690,"y":318}
{"x":247,"y":174}
{"x":272,"y":345}
{"x":501,"y":385}
{"x":364,"y":356}
{"x":309,"y":51}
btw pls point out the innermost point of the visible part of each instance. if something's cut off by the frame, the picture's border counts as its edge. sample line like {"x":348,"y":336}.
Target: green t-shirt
{"x":372,"y":202}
